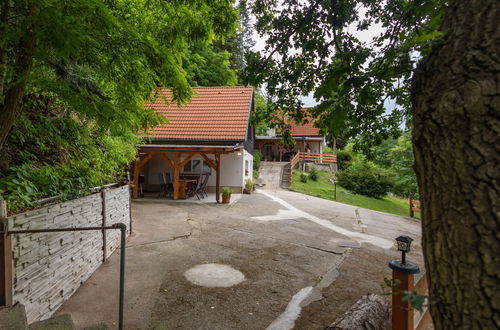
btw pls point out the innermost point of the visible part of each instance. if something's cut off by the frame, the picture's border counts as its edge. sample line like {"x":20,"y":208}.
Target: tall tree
{"x":241,"y":43}
{"x":364,"y":86}
{"x":102,"y":58}
{"x":456,"y":138}
{"x":205,"y":66}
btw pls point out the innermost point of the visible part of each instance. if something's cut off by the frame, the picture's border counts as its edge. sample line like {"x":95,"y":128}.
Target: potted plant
{"x":249,"y":186}
{"x":226,"y":195}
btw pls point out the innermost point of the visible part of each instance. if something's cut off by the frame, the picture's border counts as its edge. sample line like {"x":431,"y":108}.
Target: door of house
{"x":268,"y":151}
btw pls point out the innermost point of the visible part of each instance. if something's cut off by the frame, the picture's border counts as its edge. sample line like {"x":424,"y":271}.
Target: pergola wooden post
{"x":217,"y":178}
{"x":177,"y":162}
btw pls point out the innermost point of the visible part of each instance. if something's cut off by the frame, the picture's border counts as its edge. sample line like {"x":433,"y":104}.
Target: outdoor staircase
{"x":285,"y":176}
{"x":270,"y":173}
{"x":15,"y":318}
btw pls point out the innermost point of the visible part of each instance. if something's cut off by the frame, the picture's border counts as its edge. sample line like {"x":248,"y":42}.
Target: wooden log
{"x":370,"y":312}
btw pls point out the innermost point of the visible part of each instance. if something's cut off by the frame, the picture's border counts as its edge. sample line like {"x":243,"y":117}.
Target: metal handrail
{"x":123,"y":232}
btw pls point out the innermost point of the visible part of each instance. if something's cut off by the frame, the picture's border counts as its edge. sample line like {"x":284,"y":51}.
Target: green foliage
{"x":313,"y":173}
{"x":396,"y":155}
{"x":362,"y":85}
{"x":227,"y":192}
{"x":257,"y":158}
{"x":255,"y":174}
{"x":416,"y":300}
{"x":303,"y":177}
{"x":366,"y":179}
{"x":327,"y":150}
{"x":207,"y":67}
{"x":89,"y":66}
{"x":344,"y":158}
{"x":249,"y":184}
{"x":324,"y":188}
{"x":240,"y":44}
{"x":104,"y":59}
{"x":51,"y":153}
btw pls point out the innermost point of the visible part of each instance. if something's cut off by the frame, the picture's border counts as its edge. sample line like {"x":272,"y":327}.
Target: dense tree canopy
{"x":205,"y":66}
{"x":318,"y":47}
{"x":74,"y":76}
{"x":102,"y":59}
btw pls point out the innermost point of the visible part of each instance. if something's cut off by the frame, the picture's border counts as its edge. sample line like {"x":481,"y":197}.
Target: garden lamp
{"x":404,"y":243}
{"x":401,"y":265}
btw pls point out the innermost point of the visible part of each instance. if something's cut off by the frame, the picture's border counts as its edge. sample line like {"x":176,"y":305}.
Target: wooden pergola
{"x":182,"y":154}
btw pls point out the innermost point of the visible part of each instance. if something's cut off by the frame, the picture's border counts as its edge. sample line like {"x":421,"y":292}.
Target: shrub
{"x":303,"y":177}
{"x":327,"y":150}
{"x":313,"y":173}
{"x":227,"y":192}
{"x":344,"y":159}
{"x":249,"y":184}
{"x":257,"y":157}
{"x":366,"y":180}
{"x":255,"y":174}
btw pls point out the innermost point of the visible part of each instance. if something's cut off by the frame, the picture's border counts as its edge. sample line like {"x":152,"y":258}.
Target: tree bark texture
{"x":370,"y":312}
{"x":456,"y":103}
{"x":14,"y":92}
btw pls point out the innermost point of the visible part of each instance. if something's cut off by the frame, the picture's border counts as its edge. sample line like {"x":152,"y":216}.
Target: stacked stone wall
{"x":49,"y":267}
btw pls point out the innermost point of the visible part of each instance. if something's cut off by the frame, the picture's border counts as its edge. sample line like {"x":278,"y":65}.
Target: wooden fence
{"x":424,"y":318}
{"x":414,"y":207}
{"x":310,"y":157}
{"x":317,"y":158}
{"x":404,"y":316}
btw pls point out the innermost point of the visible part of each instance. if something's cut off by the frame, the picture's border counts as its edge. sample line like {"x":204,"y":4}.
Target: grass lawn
{"x":323,"y":188}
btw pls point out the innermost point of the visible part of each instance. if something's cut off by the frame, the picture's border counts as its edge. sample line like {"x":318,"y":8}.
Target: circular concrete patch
{"x":214,"y":275}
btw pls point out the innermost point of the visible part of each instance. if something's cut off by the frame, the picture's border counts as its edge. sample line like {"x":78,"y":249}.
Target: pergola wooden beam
{"x":167,"y":160}
{"x":209,"y":161}
{"x":137,"y":166}
{"x":177,"y":163}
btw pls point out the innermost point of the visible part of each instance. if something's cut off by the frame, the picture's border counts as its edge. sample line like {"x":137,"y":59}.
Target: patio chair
{"x":192,"y":188}
{"x":203,"y":188}
{"x":141,"y":182}
{"x":168,"y":181}
{"x":197,"y":190}
{"x":163,"y":185}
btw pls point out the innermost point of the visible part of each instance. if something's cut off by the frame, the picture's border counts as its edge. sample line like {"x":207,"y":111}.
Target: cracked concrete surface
{"x":279,"y":259}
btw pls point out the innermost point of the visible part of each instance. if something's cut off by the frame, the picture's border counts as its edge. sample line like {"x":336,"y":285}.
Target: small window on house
{"x":206,"y":167}
{"x":196,"y":165}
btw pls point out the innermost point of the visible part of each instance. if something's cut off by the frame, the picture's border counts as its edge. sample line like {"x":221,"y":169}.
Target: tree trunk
{"x":456,"y":100}
{"x":15,"y":91}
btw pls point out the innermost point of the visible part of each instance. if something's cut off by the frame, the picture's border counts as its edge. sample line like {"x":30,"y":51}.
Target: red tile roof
{"x":214,"y":113}
{"x":304,"y":129}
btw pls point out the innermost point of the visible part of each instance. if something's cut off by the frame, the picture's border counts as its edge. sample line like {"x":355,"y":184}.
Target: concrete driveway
{"x":286,"y":245}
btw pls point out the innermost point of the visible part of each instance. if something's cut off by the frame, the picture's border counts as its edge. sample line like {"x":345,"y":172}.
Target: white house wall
{"x":233,"y":172}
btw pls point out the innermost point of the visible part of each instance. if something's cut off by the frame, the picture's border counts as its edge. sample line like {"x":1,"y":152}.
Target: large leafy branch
{"x":318,"y":46}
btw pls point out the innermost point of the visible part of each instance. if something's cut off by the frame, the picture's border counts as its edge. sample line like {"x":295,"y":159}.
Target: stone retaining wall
{"x":49,"y":267}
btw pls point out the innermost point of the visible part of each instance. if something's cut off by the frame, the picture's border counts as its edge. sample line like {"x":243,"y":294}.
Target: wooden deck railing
{"x":404,"y":316}
{"x":293,"y":162}
{"x":310,"y":157}
{"x":423,"y":318}
{"x":414,"y":207}
{"x":318,"y":158}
